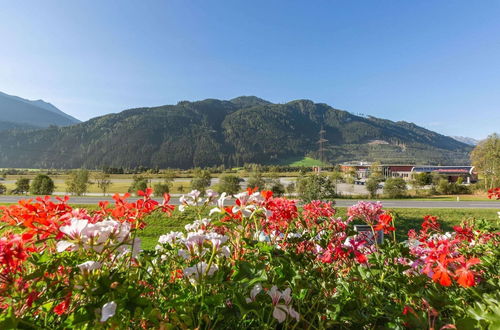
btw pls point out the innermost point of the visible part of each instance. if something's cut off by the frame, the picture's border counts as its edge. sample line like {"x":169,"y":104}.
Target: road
{"x":339,"y":202}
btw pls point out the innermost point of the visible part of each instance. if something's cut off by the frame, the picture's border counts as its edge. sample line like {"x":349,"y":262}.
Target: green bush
{"x":78,"y":182}
{"x":161,"y":188}
{"x":395,"y":187}
{"x":201,"y":180}
{"x":22,"y":186}
{"x":42,"y":185}
{"x":230,"y":184}
{"x":139,"y":183}
{"x":316,"y":187}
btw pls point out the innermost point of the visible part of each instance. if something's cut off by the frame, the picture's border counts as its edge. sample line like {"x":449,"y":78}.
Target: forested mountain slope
{"x":214,"y":132}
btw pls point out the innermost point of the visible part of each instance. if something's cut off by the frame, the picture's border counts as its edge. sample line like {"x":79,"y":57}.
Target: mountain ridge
{"x":17,"y":112}
{"x":232,"y":132}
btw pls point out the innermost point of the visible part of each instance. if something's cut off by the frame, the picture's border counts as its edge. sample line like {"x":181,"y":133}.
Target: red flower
{"x":441,"y":275}
{"x":430,"y":222}
{"x":465,"y":276}
{"x":494,"y":193}
{"x":384,"y":223}
{"x":62,"y":307}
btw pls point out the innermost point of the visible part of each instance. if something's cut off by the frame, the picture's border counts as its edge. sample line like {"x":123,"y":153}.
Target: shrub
{"x":22,"y":185}
{"x":256,"y":181}
{"x":201,"y":180}
{"x":42,"y":185}
{"x":3,"y":189}
{"x":139,"y":183}
{"x":78,"y":182}
{"x":395,"y":187}
{"x":230,"y":184}
{"x":372,"y":186}
{"x":161,"y":188}
{"x":316,"y":187}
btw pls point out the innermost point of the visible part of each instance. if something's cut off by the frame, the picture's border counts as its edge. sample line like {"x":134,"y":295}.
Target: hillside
{"x":16,"y":112}
{"x":214,"y":132}
{"x":467,"y":140}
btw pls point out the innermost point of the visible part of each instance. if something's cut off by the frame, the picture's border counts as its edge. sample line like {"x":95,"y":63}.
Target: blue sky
{"x":435,"y":63}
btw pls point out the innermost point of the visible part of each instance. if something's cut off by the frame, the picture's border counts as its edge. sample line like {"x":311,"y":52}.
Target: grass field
{"x":159,"y":224}
{"x":302,"y":161}
{"x":407,"y":218}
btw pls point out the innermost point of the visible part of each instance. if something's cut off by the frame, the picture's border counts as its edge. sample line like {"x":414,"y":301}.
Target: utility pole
{"x":321,"y":143}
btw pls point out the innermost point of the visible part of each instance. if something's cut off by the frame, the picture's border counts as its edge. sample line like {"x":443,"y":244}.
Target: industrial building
{"x":406,"y":171}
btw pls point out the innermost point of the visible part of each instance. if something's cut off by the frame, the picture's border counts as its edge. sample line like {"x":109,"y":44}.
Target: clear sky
{"x":435,"y":63}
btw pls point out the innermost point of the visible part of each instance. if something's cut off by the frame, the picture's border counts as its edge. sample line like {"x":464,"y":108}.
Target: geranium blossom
{"x":369,"y":212}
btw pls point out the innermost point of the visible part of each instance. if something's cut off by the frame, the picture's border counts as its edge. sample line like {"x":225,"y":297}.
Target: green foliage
{"x":395,"y":187}
{"x":316,"y":187}
{"x":3,"y":189}
{"x":450,"y":188}
{"x":78,"y":182}
{"x":290,"y":188}
{"x":22,"y":186}
{"x":230,"y":184}
{"x":372,"y":186}
{"x":42,"y":185}
{"x":160,"y":189}
{"x":201,"y":180}
{"x":422,"y":179}
{"x":486,"y":158}
{"x":230,"y":133}
{"x":256,"y":180}
{"x":139,"y":183}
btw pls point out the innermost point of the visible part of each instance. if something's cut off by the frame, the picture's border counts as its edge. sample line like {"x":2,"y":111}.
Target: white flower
{"x":122,"y":250}
{"x":254,"y":292}
{"x":88,"y":266}
{"x":225,"y":251}
{"x":279,"y":312}
{"x":293,"y":313}
{"x":183,"y":254}
{"x":275,"y":294}
{"x":246,"y":210}
{"x":191,"y":199}
{"x":197,"y":224}
{"x":63,"y":245}
{"x":216,"y":239}
{"x":170,"y":238}
{"x":285,"y":295}
{"x":108,"y":310}
{"x":194,"y":239}
{"x":75,"y":228}
{"x":200,"y":269}
{"x":220,"y":204}
{"x":211,"y":193}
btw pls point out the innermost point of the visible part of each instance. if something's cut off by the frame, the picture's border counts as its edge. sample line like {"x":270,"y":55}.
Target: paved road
{"x":339,"y":202}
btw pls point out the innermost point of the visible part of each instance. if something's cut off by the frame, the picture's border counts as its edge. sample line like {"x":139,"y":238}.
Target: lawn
{"x":302,"y":161}
{"x":407,"y":218}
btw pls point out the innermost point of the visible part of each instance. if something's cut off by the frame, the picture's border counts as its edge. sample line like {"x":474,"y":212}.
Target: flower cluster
{"x":368,"y":212}
{"x":98,"y":236}
{"x":239,"y":263}
{"x":439,"y":255}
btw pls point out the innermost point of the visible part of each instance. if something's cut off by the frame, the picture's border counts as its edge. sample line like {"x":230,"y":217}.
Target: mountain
{"x":19,"y":113}
{"x":215,"y":132}
{"x":467,"y":140}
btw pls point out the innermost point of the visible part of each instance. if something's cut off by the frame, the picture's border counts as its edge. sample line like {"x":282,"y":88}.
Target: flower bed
{"x":261,"y":263}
